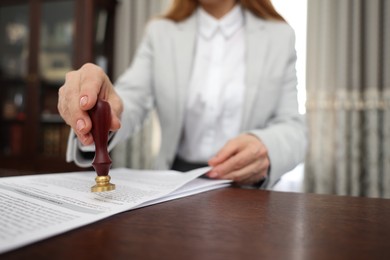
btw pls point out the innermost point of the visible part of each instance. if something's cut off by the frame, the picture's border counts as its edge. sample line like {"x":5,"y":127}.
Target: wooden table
{"x":231,"y":223}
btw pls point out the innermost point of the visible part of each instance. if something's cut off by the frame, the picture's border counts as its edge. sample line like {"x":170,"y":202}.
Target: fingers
{"x":68,"y":97}
{"x":96,"y":84}
{"x":115,"y":121}
{"x":252,"y":173}
{"x":93,"y":84}
{"x":243,"y":160}
{"x":249,"y":174}
{"x":234,"y":162}
{"x":69,"y":107}
{"x":238,"y":164}
{"x":231,"y":148}
{"x":116,"y":105}
{"x":79,"y":94}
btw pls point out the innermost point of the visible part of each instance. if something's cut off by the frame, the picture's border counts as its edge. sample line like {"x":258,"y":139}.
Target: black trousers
{"x":184,"y":166}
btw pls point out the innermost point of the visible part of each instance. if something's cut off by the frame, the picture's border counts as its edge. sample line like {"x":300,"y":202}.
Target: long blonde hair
{"x":181,"y":9}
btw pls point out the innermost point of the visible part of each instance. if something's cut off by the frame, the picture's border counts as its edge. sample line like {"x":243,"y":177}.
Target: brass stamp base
{"x":103,"y":184}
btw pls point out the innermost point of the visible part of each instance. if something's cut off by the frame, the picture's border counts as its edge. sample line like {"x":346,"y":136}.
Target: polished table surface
{"x":231,"y":223}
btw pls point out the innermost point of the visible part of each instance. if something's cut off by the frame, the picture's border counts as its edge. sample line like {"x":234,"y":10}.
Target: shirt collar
{"x":228,"y":24}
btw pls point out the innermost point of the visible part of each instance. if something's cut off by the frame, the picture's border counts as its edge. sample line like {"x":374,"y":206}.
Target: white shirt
{"x":216,"y":89}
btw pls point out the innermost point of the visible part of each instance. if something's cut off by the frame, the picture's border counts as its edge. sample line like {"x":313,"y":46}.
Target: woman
{"x":221,"y":75}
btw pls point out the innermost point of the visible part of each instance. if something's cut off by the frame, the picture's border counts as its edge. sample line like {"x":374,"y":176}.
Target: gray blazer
{"x":159,"y":78}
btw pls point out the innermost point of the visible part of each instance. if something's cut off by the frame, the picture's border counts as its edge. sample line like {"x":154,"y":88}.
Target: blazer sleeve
{"x":285,"y":132}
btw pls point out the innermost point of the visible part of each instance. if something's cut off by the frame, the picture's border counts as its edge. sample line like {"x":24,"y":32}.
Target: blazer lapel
{"x":256,"y":48}
{"x":184,"y":49}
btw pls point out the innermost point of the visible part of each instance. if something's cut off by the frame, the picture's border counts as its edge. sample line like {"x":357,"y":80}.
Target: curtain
{"x":348,"y":97}
{"x":131,"y":17}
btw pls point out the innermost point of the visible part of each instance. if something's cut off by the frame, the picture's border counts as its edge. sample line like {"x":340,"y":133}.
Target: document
{"x":36,"y":207}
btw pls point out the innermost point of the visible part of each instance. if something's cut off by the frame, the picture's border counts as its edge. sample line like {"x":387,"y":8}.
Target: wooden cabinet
{"x":41,"y":40}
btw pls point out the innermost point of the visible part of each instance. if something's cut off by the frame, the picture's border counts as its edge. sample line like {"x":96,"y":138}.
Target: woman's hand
{"x":243,"y":159}
{"x":79,"y":94}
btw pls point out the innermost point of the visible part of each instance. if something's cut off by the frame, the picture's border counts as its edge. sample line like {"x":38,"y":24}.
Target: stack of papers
{"x":36,"y":207}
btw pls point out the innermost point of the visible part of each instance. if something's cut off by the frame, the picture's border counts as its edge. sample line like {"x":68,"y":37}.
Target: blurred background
{"x":343,"y":69}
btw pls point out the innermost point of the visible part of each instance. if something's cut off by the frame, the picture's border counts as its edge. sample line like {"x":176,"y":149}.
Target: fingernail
{"x":83,"y":101}
{"x":80,"y":125}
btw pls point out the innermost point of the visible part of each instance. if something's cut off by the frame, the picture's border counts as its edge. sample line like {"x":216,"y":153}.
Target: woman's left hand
{"x":243,"y":159}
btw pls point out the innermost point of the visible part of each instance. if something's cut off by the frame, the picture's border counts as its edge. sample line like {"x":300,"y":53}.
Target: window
{"x":295,"y":13}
